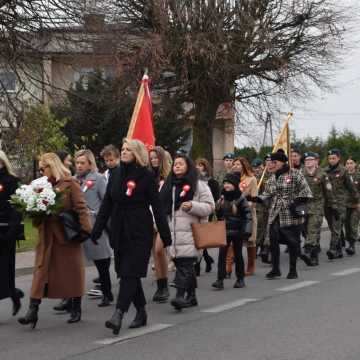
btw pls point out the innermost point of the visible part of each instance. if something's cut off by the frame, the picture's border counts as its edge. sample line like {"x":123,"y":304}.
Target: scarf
{"x":282,"y":171}
{"x":231,"y":195}
{"x":167,"y":192}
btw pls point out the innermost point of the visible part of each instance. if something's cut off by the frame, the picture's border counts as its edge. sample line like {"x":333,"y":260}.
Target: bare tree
{"x":244,"y":50}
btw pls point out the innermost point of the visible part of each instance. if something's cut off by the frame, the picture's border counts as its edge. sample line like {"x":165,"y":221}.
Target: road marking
{"x":346,"y":272}
{"x":297,"y":286}
{"x":133,"y":334}
{"x":228,"y":306}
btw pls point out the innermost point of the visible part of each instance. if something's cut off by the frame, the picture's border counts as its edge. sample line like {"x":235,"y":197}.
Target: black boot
{"x":314,"y":256}
{"x":306,"y":259}
{"x":31,"y":316}
{"x":351,"y":249}
{"x":294,"y":250}
{"x":106,"y":300}
{"x":64,"y":305}
{"x":274,"y":273}
{"x":331,"y":254}
{"x":239,"y":284}
{"x":15,"y":298}
{"x":162,"y":293}
{"x":218,"y":284}
{"x":179,"y":302}
{"x":115,"y":322}
{"x":292,"y":273}
{"x":191,"y":298}
{"x":75,"y":314}
{"x":208,"y":260}
{"x":140,"y":319}
{"x":197,"y":268}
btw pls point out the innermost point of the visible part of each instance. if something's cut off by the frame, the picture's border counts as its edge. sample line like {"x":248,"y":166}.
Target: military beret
{"x":310,"y":155}
{"x":256,"y":162}
{"x":229,"y":156}
{"x":336,"y":152}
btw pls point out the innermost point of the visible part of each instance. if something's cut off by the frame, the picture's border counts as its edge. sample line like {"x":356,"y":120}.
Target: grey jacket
{"x":94,"y":186}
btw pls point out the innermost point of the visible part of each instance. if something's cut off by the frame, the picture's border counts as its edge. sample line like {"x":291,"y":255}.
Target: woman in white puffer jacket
{"x":187,"y":200}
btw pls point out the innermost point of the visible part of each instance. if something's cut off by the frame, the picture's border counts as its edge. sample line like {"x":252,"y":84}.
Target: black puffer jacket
{"x":235,"y":210}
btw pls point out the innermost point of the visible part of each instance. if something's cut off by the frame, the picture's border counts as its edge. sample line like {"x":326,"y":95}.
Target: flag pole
{"x":288,"y":118}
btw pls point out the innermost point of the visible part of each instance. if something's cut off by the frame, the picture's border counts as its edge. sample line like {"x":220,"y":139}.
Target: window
{"x":7,"y":81}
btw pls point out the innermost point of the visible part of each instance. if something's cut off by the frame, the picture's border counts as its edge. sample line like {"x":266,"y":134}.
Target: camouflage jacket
{"x":355,"y":179}
{"x":317,"y":184}
{"x":340,"y":186}
{"x":281,"y":191}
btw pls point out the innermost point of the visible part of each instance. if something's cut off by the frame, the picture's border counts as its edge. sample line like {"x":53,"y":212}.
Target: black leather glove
{"x":94,"y":238}
{"x":254,"y":199}
{"x":166,"y":241}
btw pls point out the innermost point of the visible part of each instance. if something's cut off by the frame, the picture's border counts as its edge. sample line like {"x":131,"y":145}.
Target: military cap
{"x":336,"y":152}
{"x":256,"y":162}
{"x":310,"y":155}
{"x":230,"y":156}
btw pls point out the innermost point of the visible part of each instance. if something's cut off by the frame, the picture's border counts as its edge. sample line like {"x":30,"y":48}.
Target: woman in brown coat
{"x":248,"y":186}
{"x":59,"y":266}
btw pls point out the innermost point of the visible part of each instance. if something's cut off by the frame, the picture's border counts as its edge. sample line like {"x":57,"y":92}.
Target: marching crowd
{"x":145,"y":204}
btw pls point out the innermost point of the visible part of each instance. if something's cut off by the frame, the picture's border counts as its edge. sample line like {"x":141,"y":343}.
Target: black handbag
{"x":298,"y":210}
{"x":73,"y":233}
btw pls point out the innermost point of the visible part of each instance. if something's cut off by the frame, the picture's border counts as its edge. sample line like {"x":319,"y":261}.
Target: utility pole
{"x":268,"y":127}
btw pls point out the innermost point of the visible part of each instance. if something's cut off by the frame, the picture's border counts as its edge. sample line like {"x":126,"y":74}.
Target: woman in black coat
{"x":131,"y":191}
{"x":9,"y":225}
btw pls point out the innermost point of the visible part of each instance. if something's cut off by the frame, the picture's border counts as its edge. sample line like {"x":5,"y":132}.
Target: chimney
{"x":94,"y":20}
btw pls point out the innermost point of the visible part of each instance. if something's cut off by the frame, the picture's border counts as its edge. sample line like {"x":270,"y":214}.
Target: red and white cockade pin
{"x":185,"y":190}
{"x":130,"y":187}
{"x":288,"y":179}
{"x":2,"y":188}
{"x":243,"y":186}
{"x":88,"y":185}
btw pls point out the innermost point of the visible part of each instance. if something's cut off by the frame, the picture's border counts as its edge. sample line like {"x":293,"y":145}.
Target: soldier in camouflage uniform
{"x":286,"y":190}
{"x":262,"y":210}
{"x":352,"y":213}
{"x":340,"y":186}
{"x":315,"y":178}
{"x":228,"y":163}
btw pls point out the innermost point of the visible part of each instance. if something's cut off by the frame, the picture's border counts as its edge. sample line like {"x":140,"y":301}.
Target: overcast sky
{"x":341,"y":108}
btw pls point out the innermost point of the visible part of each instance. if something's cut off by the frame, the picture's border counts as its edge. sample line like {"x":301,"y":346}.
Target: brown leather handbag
{"x":209,"y":235}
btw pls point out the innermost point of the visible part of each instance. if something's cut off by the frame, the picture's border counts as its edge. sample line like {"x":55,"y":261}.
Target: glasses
{"x":42,"y":169}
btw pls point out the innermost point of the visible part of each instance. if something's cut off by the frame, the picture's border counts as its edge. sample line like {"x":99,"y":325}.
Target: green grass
{"x":31,"y":235}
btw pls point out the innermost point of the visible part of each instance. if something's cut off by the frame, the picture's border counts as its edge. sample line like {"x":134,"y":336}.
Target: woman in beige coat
{"x":186,"y":200}
{"x":248,"y":186}
{"x":59,"y":270}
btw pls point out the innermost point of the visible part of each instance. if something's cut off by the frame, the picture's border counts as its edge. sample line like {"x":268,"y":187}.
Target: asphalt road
{"x":314,"y":317}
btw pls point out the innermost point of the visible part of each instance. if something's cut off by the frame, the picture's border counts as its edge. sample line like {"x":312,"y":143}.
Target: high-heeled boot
{"x":140,"y":319}
{"x":115,"y":322}
{"x":15,"y":298}
{"x":251,"y":252}
{"x":75,"y":313}
{"x":31,"y":316}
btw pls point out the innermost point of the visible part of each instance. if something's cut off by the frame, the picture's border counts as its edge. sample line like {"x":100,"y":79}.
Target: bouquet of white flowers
{"x":37,"y":199}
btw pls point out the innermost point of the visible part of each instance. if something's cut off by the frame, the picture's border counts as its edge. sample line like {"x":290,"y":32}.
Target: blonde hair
{"x":89,"y":156}
{"x":58,"y":170}
{"x":165,"y":161}
{"x":139,"y":151}
{"x":7,"y":163}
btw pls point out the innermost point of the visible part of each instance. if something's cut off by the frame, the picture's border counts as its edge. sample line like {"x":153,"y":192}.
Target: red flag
{"x":141,"y":124}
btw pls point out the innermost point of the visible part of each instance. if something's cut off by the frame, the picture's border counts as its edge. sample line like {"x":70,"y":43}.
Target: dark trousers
{"x":288,"y":235}
{"x":185,"y":276}
{"x":103,"y":268}
{"x":238,"y":259}
{"x":131,"y":291}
